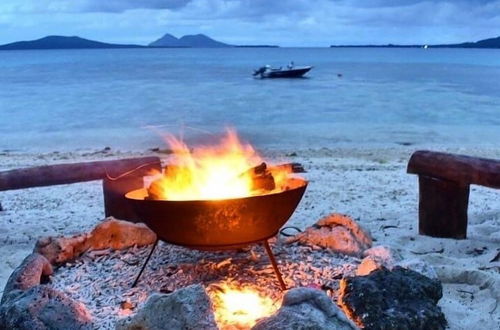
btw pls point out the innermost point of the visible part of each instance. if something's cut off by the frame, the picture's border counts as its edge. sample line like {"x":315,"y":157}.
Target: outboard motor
{"x":260,"y":71}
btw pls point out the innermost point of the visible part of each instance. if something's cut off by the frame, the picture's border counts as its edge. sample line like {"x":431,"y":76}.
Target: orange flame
{"x":212,"y":172}
{"x":240,"y":307}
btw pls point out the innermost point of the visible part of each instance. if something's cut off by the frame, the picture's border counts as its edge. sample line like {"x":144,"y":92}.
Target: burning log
{"x":290,"y":167}
{"x":262,"y":177}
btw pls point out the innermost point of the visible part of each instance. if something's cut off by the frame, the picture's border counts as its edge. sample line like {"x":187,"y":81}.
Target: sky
{"x":281,"y":22}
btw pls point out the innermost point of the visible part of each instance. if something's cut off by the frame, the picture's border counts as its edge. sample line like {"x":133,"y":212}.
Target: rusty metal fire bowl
{"x":218,"y":224}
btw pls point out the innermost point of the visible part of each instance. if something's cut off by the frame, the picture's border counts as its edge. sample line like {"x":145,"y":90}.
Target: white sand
{"x":368,"y":184}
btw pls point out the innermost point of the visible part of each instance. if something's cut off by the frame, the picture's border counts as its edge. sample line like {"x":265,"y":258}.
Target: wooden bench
{"x":444,"y":181}
{"x":118,"y":177}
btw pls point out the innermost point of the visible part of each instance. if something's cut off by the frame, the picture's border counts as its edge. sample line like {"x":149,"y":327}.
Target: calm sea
{"x":67,"y":99}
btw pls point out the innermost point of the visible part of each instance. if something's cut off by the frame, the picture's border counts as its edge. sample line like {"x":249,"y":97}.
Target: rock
{"x":306,"y":308}
{"x":384,"y":253}
{"x":397,"y":299}
{"x":61,"y":249}
{"x":111,"y":233}
{"x":1,"y":207}
{"x":419,"y":266}
{"x":337,"y":232}
{"x":28,"y":305}
{"x":367,"y":265}
{"x":119,"y":234}
{"x":377,"y":257}
{"x":187,"y":308}
{"x":27,"y":275}
{"x":383,"y":256}
{"x":42,"y":307}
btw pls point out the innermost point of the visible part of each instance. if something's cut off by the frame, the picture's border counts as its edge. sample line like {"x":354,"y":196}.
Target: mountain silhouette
{"x":62,"y":42}
{"x":193,"y":41}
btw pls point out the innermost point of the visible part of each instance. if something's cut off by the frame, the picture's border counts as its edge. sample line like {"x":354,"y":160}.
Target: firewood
{"x":291,"y":167}
{"x":262,"y":178}
{"x":263,"y":182}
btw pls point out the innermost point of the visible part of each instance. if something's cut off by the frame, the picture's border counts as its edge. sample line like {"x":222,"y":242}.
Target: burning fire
{"x":214,"y":172}
{"x":239,"y":307}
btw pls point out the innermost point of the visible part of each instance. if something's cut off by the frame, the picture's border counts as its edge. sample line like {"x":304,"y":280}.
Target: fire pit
{"x":217,"y":199}
{"x":218,"y":224}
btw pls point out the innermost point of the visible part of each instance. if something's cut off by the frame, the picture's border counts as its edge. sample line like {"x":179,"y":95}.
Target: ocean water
{"x":129,"y":98}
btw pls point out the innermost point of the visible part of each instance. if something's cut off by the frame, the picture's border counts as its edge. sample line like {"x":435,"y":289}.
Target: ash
{"x":102,"y":280}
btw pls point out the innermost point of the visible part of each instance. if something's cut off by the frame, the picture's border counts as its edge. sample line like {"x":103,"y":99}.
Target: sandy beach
{"x":369,"y":184}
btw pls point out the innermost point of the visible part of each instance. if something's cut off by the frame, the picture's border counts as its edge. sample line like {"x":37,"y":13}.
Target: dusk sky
{"x":282,"y":22}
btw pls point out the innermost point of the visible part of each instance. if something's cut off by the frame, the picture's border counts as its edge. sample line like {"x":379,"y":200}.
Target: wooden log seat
{"x":444,"y":181}
{"x":118,"y":176}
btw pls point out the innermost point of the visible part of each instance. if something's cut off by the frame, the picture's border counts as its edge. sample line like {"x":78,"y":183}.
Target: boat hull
{"x":289,"y":73}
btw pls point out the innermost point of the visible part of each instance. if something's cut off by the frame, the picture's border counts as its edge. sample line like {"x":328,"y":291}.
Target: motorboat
{"x":291,"y":71}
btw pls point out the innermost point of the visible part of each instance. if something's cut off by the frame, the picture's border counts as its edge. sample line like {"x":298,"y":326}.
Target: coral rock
{"x":61,"y":249}
{"x":187,"y":308}
{"x":419,"y":266}
{"x":27,"y":274}
{"x":111,"y":233}
{"x":306,"y":308}
{"x":337,"y":232}
{"x":397,"y":299}
{"x":377,"y":257}
{"x":43,"y":308}
{"x":119,"y":234}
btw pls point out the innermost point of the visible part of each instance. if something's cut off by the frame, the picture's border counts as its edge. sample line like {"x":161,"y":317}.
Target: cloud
{"x":103,"y":6}
{"x":285,"y":22}
{"x":123,"y":5}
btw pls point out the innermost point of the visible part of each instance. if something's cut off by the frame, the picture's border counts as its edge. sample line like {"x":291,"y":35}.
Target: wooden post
{"x":443,"y":208}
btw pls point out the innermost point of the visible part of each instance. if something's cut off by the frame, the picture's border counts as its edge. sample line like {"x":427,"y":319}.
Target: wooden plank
{"x":442,"y":208}
{"x":77,"y":172}
{"x":458,"y":168}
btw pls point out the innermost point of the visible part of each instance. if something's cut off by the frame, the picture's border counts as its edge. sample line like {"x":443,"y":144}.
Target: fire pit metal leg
{"x":275,"y":265}
{"x":145,"y":264}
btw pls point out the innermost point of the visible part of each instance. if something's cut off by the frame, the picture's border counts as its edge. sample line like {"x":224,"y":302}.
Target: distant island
{"x":197,"y":41}
{"x":202,"y":41}
{"x":167,"y":41}
{"x":485,"y":43}
{"x":193,"y":41}
{"x":61,"y":42}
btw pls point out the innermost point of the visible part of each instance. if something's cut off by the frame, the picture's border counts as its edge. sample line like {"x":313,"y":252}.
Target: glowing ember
{"x":212,"y":172}
{"x":239,"y":307}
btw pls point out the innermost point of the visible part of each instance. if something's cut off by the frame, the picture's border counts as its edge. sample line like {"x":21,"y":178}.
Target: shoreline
{"x":369,"y":184}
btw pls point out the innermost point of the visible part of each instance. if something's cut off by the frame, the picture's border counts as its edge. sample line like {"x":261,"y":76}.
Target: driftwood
{"x":119,"y":177}
{"x":51,"y":175}
{"x":444,"y":181}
